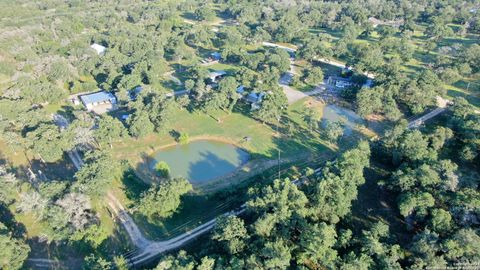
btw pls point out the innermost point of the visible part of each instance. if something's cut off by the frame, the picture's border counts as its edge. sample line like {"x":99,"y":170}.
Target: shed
{"x":241,"y":89}
{"x":215,"y":75}
{"x":98,"y":48}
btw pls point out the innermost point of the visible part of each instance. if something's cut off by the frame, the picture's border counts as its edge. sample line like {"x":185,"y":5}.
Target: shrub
{"x":183,"y":138}
{"x":162,"y":169}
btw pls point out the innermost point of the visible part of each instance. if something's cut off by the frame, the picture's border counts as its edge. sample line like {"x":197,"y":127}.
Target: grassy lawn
{"x":230,"y":128}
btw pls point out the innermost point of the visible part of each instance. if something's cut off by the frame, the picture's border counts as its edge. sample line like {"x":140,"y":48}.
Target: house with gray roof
{"x":214,"y":76}
{"x":93,"y":100}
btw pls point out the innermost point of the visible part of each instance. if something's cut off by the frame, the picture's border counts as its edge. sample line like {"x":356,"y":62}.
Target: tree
{"x":463,"y":245}
{"x":140,"y":124}
{"x":285,"y":198}
{"x":369,"y":100}
{"x":408,"y":203}
{"x":14,"y":251}
{"x":47,"y":141}
{"x":97,"y":173}
{"x":440,"y":221}
{"x":228,"y":88}
{"x":108,"y":130}
{"x":162,"y":169}
{"x":183,"y":138}
{"x":161,"y":200}
{"x":10,"y":185}
{"x":272,"y":107}
{"x":204,"y":13}
{"x":336,"y":186}
{"x":414,"y":146}
{"x":32,"y":202}
{"x":316,"y":245}
{"x":96,"y":263}
{"x":314,"y":76}
{"x":231,"y":233}
{"x":275,"y":255}
{"x":334,"y":130}
{"x":78,"y":209}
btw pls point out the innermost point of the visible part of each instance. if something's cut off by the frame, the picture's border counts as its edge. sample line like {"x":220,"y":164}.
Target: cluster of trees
{"x":66,"y":215}
{"x":286,"y":225}
{"x":310,"y":225}
{"x":163,"y":199}
{"x":434,"y":197}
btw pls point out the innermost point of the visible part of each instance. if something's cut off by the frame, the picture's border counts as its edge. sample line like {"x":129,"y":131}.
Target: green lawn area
{"x":230,"y":128}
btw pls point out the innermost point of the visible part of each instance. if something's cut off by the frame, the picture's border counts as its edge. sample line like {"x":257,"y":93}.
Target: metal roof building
{"x":94,"y":99}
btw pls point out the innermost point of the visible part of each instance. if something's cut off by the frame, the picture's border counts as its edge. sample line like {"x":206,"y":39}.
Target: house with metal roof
{"x":90,"y":101}
{"x":214,"y":76}
{"x":98,"y":48}
{"x":215,"y":56}
{"x":255,"y":99}
{"x":241,"y":89}
{"x":340,"y":82}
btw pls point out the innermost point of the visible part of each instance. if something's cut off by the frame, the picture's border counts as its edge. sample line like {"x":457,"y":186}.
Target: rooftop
{"x":97,"y":97}
{"x":217,"y":73}
{"x":98,"y":48}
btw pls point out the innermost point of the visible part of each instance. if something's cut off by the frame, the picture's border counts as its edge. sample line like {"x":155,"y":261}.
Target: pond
{"x":335,"y":113}
{"x":201,"y":161}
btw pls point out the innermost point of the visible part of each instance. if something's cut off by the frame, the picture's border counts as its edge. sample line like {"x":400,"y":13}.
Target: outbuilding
{"x":90,"y":101}
{"x":214,"y":76}
{"x":98,"y":48}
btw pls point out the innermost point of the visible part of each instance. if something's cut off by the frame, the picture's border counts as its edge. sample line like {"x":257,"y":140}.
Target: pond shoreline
{"x":200,"y":138}
{"x":147,"y":158}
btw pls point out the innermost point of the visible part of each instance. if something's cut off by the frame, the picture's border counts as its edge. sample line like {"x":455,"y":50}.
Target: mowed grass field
{"x":231,"y":128}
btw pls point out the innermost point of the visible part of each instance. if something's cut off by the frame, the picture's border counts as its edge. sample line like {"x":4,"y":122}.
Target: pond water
{"x":335,"y":113}
{"x":201,"y":161}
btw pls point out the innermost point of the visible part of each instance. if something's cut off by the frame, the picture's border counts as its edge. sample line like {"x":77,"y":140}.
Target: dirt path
{"x":124,"y":218}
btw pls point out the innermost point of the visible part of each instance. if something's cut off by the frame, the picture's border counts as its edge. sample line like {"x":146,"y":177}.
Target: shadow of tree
{"x":211,"y":166}
{"x":8,"y":219}
{"x":60,"y":170}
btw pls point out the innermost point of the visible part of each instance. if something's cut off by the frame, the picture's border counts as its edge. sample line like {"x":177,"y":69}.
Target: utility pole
{"x":278,"y":149}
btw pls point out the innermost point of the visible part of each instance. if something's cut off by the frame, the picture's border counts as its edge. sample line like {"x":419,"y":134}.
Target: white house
{"x":98,"y":48}
{"x":215,"y":75}
{"x":90,"y":101}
